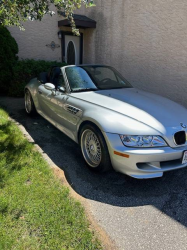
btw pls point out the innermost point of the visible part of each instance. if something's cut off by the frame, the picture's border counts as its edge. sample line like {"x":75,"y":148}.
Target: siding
{"x":145,"y":40}
{"x":32,"y":42}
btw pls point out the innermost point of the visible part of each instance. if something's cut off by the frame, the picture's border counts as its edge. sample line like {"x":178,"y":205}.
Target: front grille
{"x":180,"y":138}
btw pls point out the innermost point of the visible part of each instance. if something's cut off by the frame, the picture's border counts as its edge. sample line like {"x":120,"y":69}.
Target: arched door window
{"x":70,"y":53}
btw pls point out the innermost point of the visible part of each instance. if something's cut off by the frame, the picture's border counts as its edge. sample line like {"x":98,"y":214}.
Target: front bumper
{"x":143,"y":163}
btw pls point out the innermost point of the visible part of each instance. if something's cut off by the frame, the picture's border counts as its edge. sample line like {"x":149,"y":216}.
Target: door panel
{"x":72,"y":49}
{"x":65,"y":115}
{"x":57,"y":107}
{"x":45,"y":101}
{"x":58,"y":102}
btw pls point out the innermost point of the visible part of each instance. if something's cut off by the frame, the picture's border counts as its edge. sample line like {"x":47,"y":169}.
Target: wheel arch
{"x":25,"y":89}
{"x":98,"y":127}
{"x":33,"y":95}
{"x":28,"y":89}
{"x":32,"y":110}
{"x":85,"y":122}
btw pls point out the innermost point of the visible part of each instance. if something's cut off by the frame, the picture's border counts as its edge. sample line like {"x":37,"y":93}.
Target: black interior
{"x":43,"y":77}
{"x":55,"y":76}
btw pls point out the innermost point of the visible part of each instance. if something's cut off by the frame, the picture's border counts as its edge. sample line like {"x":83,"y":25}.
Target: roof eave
{"x":78,"y":23}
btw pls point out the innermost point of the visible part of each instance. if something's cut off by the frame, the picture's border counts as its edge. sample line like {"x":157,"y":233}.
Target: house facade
{"x":145,"y":40}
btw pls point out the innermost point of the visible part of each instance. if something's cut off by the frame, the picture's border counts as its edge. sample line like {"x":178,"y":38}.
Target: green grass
{"x":36,"y":210}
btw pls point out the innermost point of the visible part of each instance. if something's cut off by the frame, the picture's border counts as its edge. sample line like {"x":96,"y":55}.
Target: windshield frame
{"x":116,"y":73}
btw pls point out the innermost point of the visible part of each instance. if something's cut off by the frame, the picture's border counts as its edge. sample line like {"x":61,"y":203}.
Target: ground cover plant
{"x":36,"y":211}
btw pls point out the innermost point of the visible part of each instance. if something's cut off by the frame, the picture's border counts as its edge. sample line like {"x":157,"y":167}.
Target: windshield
{"x":85,"y":78}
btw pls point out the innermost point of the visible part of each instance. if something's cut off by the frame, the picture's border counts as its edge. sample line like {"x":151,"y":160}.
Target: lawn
{"x":36,"y":210}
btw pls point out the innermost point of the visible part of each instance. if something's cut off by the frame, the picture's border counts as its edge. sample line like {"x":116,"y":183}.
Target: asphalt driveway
{"x":136,"y":214}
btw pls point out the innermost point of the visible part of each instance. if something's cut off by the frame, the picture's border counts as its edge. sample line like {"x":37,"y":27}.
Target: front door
{"x":72,"y":50}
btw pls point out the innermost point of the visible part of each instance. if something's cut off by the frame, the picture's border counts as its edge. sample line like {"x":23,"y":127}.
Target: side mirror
{"x":62,"y":89}
{"x":49,"y":86}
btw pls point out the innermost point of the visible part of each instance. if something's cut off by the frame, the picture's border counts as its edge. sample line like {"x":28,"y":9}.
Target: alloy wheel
{"x":91,"y":148}
{"x":28,"y":102}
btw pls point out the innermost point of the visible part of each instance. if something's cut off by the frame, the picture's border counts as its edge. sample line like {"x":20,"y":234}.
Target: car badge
{"x":183,"y":125}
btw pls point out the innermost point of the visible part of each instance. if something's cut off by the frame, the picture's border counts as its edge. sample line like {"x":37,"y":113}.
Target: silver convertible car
{"x":137,"y":133}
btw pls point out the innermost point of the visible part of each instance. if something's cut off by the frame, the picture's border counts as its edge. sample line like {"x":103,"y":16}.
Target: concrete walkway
{"x":136,"y":214}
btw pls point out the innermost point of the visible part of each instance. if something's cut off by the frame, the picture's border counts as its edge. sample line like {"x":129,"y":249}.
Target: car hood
{"x":150,"y":109}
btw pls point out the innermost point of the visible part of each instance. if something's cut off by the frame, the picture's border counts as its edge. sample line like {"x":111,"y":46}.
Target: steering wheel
{"x":105,"y":79}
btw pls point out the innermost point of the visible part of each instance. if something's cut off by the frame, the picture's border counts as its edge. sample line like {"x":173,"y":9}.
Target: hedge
{"x":24,"y":70}
{"x":8,"y":58}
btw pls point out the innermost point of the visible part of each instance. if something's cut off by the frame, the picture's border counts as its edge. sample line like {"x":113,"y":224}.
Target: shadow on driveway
{"x":168,"y":194}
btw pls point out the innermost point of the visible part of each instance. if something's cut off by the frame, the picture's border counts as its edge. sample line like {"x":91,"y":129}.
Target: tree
{"x":8,"y":57}
{"x":15,"y":12}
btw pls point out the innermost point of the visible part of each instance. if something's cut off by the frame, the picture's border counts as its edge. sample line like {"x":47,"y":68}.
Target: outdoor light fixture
{"x":59,"y":34}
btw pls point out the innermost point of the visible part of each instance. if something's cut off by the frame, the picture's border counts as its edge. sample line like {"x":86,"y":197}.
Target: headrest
{"x":56,"y":72}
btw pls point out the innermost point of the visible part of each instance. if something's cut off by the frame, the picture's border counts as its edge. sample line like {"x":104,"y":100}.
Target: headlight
{"x":142,"y":141}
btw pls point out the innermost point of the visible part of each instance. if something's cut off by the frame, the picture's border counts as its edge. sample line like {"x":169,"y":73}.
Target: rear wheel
{"x":94,"y":148}
{"x":29,"y":104}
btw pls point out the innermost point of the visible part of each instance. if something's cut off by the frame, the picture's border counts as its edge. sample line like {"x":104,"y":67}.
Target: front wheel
{"x":29,"y":104}
{"x":94,"y":148}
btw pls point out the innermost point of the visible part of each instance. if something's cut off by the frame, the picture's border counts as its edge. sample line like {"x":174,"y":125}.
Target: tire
{"x":29,"y":104}
{"x":94,"y":149}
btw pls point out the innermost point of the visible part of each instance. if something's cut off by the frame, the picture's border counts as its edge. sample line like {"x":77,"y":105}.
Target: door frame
{"x":63,"y":33}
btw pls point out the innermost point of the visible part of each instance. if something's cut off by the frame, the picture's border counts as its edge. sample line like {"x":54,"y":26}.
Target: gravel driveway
{"x":136,"y":214}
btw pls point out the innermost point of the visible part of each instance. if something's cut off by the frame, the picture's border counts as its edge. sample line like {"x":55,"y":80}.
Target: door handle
{"x":40,"y":92}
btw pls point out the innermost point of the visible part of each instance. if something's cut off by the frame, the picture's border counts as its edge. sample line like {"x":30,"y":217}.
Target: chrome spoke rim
{"x":91,"y":148}
{"x":28,"y":103}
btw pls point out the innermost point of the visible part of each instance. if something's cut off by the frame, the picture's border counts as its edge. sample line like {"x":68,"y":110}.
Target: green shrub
{"x":8,"y":58}
{"x":25,"y":70}
{"x":14,"y":74}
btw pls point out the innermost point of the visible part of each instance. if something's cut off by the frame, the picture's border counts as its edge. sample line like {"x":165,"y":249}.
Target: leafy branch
{"x":15,"y":12}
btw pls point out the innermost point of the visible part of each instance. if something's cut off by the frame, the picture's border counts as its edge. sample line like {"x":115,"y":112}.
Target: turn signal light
{"x":121,"y":154}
